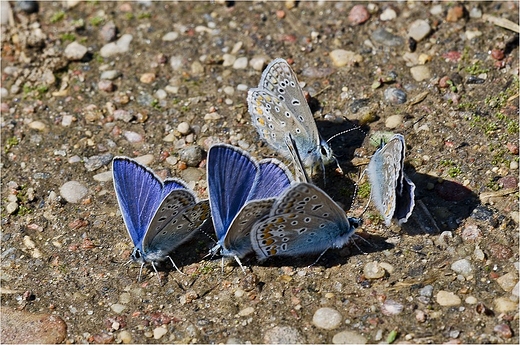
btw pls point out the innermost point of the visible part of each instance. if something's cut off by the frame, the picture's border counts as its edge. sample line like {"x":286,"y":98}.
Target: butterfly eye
{"x":324,"y":151}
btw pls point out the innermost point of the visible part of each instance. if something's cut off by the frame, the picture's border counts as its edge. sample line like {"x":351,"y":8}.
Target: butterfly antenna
{"x":346,"y":131}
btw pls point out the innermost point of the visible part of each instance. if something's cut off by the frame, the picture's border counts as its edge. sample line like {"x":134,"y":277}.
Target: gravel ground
{"x":85,"y":81}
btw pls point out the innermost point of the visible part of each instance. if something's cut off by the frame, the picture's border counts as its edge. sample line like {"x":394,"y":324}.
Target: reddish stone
{"x":358,"y":15}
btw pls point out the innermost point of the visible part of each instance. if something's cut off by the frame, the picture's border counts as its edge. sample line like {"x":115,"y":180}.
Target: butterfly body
{"x":159,"y":216}
{"x":303,"y":220}
{"x":391,"y":190}
{"x":277,"y":107}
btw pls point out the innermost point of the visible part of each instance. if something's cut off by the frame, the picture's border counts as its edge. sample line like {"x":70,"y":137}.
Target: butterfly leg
{"x":318,"y":259}
{"x":174,"y":265}
{"x":156,"y":272}
{"x":140,"y":272}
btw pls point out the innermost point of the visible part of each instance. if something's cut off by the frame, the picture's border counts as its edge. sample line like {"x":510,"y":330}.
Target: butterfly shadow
{"x":360,"y":244}
{"x":441,"y":208}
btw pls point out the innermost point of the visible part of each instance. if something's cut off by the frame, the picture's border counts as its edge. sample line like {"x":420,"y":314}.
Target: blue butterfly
{"x":391,"y":190}
{"x":159,"y":216}
{"x":303,"y":220}
{"x":278,"y":107}
{"x":241,"y":191}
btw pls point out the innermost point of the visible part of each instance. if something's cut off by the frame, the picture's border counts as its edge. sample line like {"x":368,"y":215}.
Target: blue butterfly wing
{"x":273,"y":178}
{"x":139,"y":193}
{"x":231,"y":174}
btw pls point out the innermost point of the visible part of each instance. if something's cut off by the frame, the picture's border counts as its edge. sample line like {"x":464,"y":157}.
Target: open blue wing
{"x":139,"y":193}
{"x":273,"y":178}
{"x":231,"y":174}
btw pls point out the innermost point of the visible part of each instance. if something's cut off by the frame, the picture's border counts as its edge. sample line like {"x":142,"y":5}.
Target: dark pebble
{"x":452,"y":191}
{"x":508,"y":182}
{"x":412,"y":44}
{"x":482,"y":213}
{"x":27,"y":6}
{"x":96,"y":162}
{"x":381,"y":35}
{"x":475,"y":80}
{"x":358,"y":104}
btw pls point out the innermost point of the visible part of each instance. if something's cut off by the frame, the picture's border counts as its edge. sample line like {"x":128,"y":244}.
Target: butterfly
{"x":303,"y":220}
{"x":391,"y":190}
{"x":159,"y":216}
{"x":277,"y":107}
{"x":241,"y":190}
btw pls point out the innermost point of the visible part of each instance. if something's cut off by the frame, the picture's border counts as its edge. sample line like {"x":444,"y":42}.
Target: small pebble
{"x":394,"y":121}
{"x":73,"y":191}
{"x":388,"y":14}
{"x":508,"y":281}
{"x":192,"y":155}
{"x":110,"y":75}
{"x":145,"y":159}
{"x":419,"y":29}
{"x":75,"y":51}
{"x":125,"y":337}
{"x":170,"y":36}
{"x":391,"y":307}
{"x":147,"y":78}
{"x":240,"y":63}
{"x":395,"y":96}
{"x":121,"y":46}
{"x":341,"y":57}
{"x":283,"y":335}
{"x":117,"y":308}
{"x":326,"y":318}
{"x":503,"y":330}
{"x":176,"y":62}
{"x":448,"y":299}
{"x":106,"y":85}
{"x":385,"y":37}
{"x":504,"y":305}
{"x":463,"y":267}
{"x":420,"y":73}
{"x":246,"y":311}
{"x":348,"y":337}
{"x":475,"y":12}
{"x":426,"y":291}
{"x":471,"y":232}
{"x":420,"y":316}
{"x":159,"y":332}
{"x":38,"y":125}
{"x":184,"y":128}
{"x":455,"y":13}
{"x":228,"y":60}
{"x":133,"y":137}
{"x":197,"y":68}
{"x":358,"y":15}
{"x":105,"y":176}
{"x":258,"y":62}
{"x":95,"y":162}
{"x":191,"y":174}
{"x":471,"y":300}
{"x":161,"y":94}
{"x":508,"y":182}
{"x":373,"y":270}
{"x":108,"y":32}
{"x":11,"y":207}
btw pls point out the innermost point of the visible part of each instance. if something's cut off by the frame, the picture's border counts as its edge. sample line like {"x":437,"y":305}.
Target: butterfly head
{"x":137,"y":256}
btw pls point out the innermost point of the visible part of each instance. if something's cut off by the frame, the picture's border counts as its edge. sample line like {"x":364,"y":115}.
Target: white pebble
{"x":183,"y":128}
{"x":419,"y":29}
{"x":242,"y":87}
{"x":348,"y":337}
{"x":103,"y":177}
{"x":394,"y":121}
{"x":176,"y":62}
{"x":229,"y":90}
{"x":159,"y":332}
{"x":145,"y":159}
{"x":67,"y":120}
{"x":170,"y":36}
{"x":212,"y":116}
{"x":448,"y":299}
{"x":391,"y":307}
{"x":388,"y":14}
{"x":436,"y":10}
{"x":373,"y":270}
{"x":246,"y":311}
{"x":463,"y":267}
{"x":126,"y":337}
{"x":471,"y":300}
{"x":508,"y":281}
{"x":513,"y":165}
{"x":3,"y":92}
{"x":240,"y":63}
{"x":475,"y":12}
{"x":504,"y":305}
{"x":11,"y":207}
{"x":326,"y":318}
{"x":38,"y":125}
{"x":258,"y":62}
{"x":161,"y":94}
{"x":341,"y":57}
{"x":228,"y":60}
{"x":73,"y":191}
{"x":121,"y":46}
{"x":133,"y":137}
{"x":117,"y":308}
{"x":420,"y":73}
{"x":75,"y":51}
